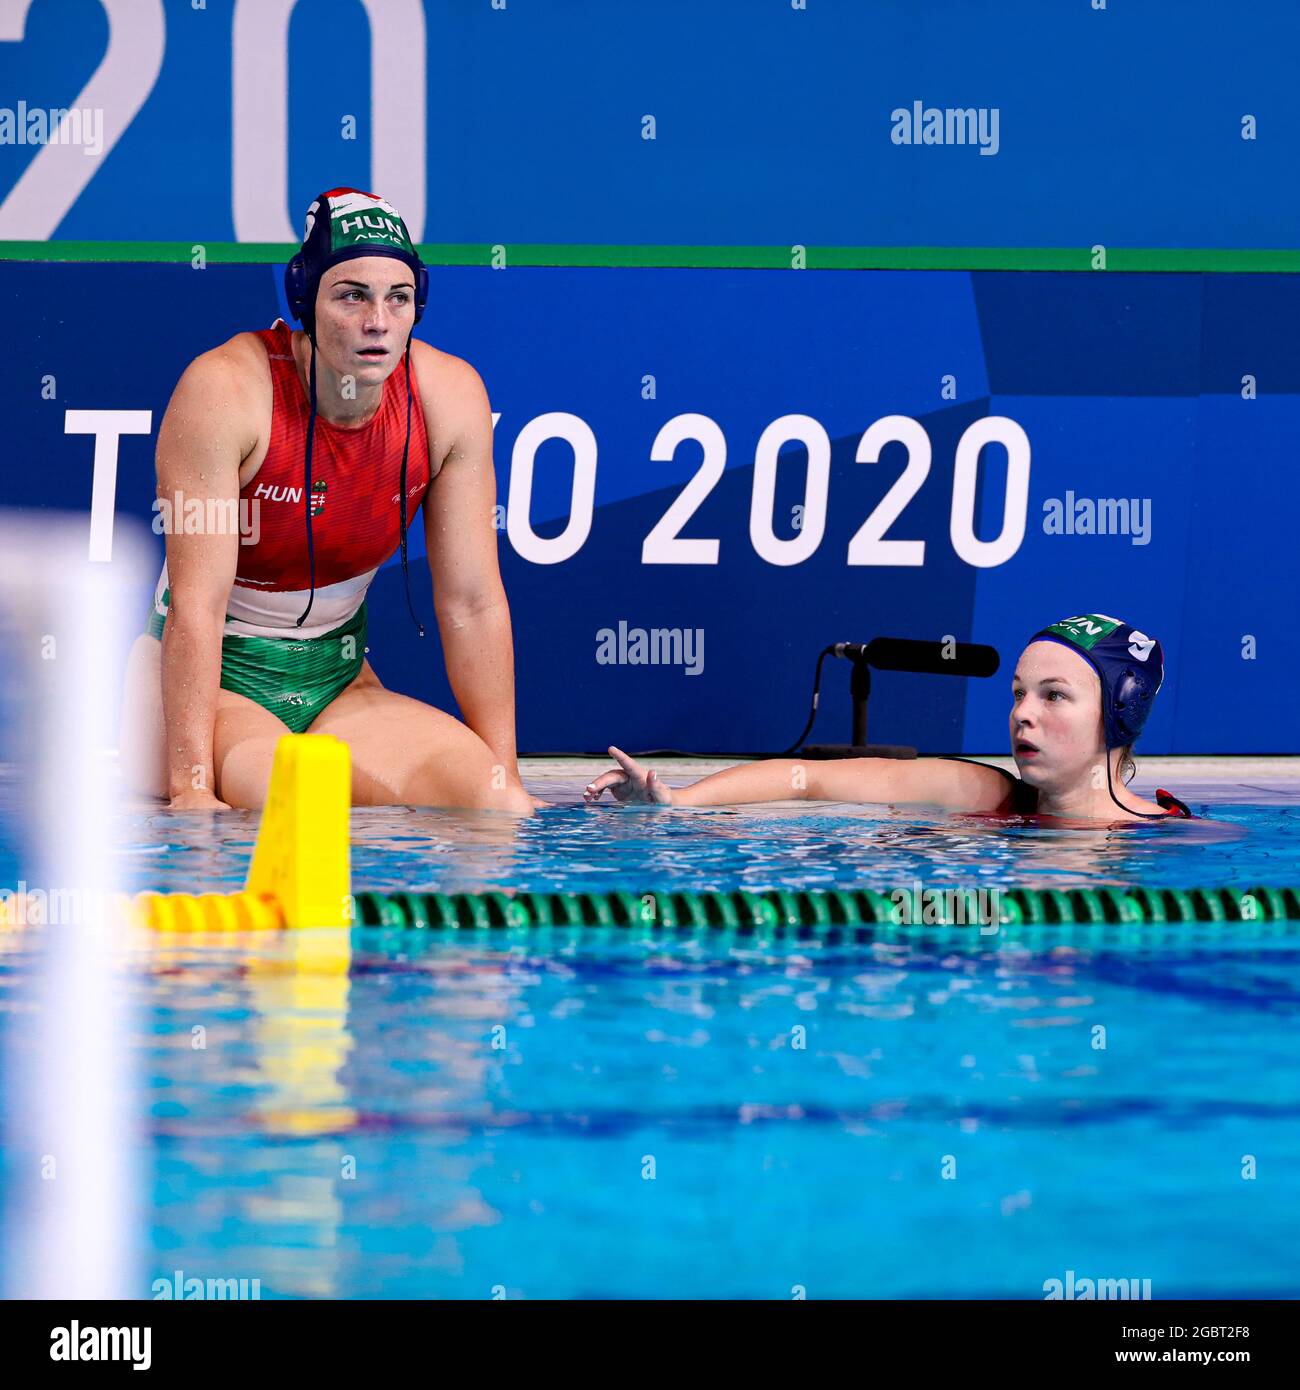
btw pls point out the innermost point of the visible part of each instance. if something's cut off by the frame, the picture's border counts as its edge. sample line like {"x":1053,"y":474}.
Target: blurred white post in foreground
{"x":69,"y":1096}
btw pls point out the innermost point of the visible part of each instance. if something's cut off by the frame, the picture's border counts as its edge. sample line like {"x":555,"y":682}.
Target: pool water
{"x":623,"y":1114}
{"x":666,"y":1120}
{"x":579,"y":848}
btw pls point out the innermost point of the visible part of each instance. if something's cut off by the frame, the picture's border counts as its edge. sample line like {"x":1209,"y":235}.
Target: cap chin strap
{"x":1146,"y":815}
{"x":1109,"y":715}
{"x":311,"y":437}
{"x":401,"y":494}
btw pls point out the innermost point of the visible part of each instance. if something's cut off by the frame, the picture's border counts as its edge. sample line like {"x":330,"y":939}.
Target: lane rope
{"x":826,"y":912}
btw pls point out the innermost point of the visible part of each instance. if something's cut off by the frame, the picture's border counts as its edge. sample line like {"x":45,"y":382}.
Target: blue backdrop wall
{"x":732,"y":123}
{"x":1125,"y":387}
{"x":771,"y":124}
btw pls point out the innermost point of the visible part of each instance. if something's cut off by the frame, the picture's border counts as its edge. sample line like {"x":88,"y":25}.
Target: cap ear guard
{"x":1130,"y":703}
{"x":295,"y":287}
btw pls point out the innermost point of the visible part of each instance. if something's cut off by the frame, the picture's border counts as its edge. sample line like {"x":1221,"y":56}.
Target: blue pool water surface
{"x":613,"y":1114}
{"x":578,"y":848}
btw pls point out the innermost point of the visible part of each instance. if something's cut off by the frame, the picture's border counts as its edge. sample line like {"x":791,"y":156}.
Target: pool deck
{"x":1258,"y":780}
{"x":1266,"y":781}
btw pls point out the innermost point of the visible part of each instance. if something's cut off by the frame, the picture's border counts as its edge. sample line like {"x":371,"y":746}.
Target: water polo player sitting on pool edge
{"x":1081,"y":693}
{"x":330,"y":448}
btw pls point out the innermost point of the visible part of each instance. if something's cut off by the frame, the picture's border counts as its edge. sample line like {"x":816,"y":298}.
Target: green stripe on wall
{"x":712,"y":257}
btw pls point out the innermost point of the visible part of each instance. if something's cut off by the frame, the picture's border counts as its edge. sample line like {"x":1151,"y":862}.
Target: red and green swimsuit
{"x":356,"y":477}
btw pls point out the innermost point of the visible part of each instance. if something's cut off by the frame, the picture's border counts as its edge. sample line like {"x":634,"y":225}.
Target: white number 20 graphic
{"x":59,"y":173}
{"x":118,"y":88}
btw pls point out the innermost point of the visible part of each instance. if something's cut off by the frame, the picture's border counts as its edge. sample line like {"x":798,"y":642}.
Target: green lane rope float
{"x":830,"y":912}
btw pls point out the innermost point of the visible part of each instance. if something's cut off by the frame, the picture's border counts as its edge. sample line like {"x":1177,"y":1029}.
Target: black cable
{"x":1146,"y":815}
{"x":816,"y":695}
{"x":401,"y":501}
{"x":311,"y":435}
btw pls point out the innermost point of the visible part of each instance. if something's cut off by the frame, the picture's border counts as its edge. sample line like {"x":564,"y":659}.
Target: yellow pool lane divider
{"x":301,"y":872}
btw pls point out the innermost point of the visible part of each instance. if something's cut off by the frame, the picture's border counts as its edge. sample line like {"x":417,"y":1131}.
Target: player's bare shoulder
{"x":456,"y":408}
{"x":233,"y":377}
{"x":227,"y":390}
{"x":963,"y":785}
{"x":449,"y":377}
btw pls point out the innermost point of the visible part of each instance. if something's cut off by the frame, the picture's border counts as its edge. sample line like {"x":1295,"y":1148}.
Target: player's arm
{"x":468,"y":596}
{"x":201,"y":444}
{"x":891,"y":781}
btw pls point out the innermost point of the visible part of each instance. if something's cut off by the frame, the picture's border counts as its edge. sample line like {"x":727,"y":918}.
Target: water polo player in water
{"x":1081,"y":693}
{"x":332,"y":447}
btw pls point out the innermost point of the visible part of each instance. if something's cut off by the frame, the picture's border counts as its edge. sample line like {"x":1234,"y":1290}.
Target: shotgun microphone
{"x":946,"y":658}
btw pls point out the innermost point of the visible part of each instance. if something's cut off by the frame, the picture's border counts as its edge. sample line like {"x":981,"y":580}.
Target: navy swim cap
{"x":1130,"y":665}
{"x":343,"y":224}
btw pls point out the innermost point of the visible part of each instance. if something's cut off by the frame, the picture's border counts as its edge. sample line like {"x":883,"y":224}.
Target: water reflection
{"x":577,"y":848}
{"x":404,"y":1115}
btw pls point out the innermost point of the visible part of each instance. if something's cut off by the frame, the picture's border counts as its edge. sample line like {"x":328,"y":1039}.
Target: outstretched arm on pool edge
{"x":920,"y":781}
